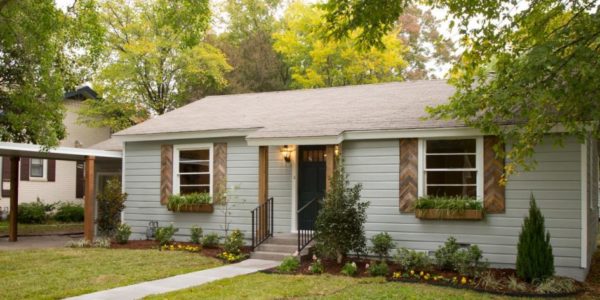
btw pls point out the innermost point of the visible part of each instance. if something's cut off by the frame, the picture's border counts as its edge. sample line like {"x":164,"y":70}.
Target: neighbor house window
{"x":36,"y":168}
{"x":192,"y":169}
{"x":452,"y":167}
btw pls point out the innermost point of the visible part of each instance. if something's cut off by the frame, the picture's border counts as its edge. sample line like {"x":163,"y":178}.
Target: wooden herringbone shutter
{"x":166,"y":173}
{"x":409,"y":153}
{"x":219,"y":184}
{"x":493,"y":168}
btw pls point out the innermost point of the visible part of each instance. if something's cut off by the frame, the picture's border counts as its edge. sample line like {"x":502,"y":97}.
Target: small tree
{"x":111,"y":202}
{"x":339,"y":228}
{"x":534,"y":258}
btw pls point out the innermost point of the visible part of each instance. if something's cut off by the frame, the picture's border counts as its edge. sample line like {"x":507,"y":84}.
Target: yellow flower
{"x":463,"y":280}
{"x":412,"y":272}
{"x":421,"y":274}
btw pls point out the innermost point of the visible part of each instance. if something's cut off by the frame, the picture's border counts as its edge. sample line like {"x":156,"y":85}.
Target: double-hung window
{"x":37,"y":168}
{"x":192,"y":169}
{"x":451,"y":167}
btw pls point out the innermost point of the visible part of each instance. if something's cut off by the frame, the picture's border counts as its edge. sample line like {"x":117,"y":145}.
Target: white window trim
{"x":184,"y":147}
{"x":44,"y":176}
{"x":478,"y":159}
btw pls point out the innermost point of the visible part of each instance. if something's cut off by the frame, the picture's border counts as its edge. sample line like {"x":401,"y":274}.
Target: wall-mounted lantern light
{"x":336,"y":150}
{"x":287,"y":153}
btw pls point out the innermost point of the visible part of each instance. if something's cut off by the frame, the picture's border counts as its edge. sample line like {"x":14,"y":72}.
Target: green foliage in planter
{"x":289,"y":264}
{"x":210,"y":240}
{"x":534,"y":257}
{"x":412,"y":260}
{"x":382,"y":245}
{"x":378,"y":269}
{"x":111,"y":202}
{"x":177,"y":201}
{"x":456,"y":204}
{"x":349,"y":269}
{"x":339,"y":228}
{"x":196,"y":234}
{"x":451,"y":257}
{"x":234,"y":242}
{"x":164,"y":235}
{"x":34,"y":212}
{"x":69,"y":212}
{"x":123,"y":233}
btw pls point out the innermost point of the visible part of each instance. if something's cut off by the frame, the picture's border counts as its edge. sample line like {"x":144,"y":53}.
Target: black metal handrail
{"x":305,"y":236}
{"x":262,"y":223}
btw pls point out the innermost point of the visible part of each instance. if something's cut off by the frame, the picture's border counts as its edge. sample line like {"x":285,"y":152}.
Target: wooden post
{"x":14,"y":198}
{"x":329,"y":165}
{"x":263,"y":186}
{"x":88,"y":206}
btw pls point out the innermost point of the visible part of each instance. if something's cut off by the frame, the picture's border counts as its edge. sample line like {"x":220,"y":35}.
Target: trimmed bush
{"x":412,"y":260}
{"x":210,"y":240}
{"x":378,"y":269}
{"x":234,"y":242}
{"x":164,"y":235}
{"x":289,"y":264}
{"x":534,"y":257}
{"x":34,"y":212}
{"x":69,"y":212}
{"x":349,"y":269}
{"x":123,"y":233}
{"x":382,"y":245}
{"x":196,"y":234}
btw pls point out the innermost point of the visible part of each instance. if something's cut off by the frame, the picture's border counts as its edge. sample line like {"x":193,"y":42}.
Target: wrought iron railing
{"x":306,"y":224}
{"x":262,"y":223}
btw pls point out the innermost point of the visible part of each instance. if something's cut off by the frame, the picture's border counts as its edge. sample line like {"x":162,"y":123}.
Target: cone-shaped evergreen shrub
{"x":534,"y":258}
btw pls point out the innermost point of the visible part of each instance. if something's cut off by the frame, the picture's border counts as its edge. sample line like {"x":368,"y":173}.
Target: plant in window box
{"x":448,"y":208}
{"x":194,"y":202}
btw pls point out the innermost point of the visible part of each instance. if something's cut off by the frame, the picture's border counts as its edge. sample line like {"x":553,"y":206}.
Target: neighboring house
{"x":386,"y":145}
{"x":56,"y":180}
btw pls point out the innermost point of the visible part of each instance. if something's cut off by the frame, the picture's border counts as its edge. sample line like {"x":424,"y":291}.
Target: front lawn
{"x":271,"y":286}
{"x":39,"y":229}
{"x":59,"y":273}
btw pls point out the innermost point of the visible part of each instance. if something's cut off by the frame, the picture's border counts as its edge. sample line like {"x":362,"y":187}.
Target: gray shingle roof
{"x":310,"y":112}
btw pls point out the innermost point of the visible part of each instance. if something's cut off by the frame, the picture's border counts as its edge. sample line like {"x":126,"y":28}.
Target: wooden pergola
{"x":91,"y":156}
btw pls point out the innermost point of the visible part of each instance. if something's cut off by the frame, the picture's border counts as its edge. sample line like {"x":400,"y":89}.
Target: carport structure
{"x":95,"y":161}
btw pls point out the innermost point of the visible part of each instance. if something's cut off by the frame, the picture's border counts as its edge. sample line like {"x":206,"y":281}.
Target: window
{"x":193,"y":169}
{"x":451,"y":167}
{"x":36,"y":168}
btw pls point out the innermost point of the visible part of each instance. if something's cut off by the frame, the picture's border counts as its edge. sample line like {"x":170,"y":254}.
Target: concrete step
{"x":277,"y":256}
{"x":283,"y":240}
{"x":272,"y":247}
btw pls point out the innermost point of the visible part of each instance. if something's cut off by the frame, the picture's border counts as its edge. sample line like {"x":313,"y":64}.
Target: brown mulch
{"x":151,"y":244}
{"x":593,"y":278}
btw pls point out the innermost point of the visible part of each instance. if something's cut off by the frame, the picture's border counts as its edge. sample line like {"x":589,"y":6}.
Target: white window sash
{"x":44,"y":171}
{"x":176,"y":161}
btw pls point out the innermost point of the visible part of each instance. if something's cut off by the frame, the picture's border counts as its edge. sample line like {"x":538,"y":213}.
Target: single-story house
{"x":276,"y":151}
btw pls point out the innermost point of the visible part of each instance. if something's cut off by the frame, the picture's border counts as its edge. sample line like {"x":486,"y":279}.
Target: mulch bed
{"x":333,"y":268}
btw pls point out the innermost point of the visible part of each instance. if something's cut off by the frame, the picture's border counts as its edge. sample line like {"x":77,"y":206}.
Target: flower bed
{"x":195,"y":202}
{"x":448,"y":208}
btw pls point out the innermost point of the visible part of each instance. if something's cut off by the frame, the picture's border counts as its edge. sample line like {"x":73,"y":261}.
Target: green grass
{"x":49,"y":228}
{"x":59,"y":273}
{"x":269,"y":286}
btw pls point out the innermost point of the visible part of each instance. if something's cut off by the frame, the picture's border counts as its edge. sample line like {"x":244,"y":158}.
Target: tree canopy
{"x":155,"y":60}
{"x":44,"y":52}
{"x":528,"y":68}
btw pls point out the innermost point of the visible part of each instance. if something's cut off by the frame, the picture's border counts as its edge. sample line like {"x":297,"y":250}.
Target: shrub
{"x":378,"y":269}
{"x":32,"y":213}
{"x":534,"y":251}
{"x":513,"y":284}
{"x":412,"y":260}
{"x":444,"y":256}
{"x":489,"y":281}
{"x":210,"y":240}
{"x":69,"y":212}
{"x":316,"y":267}
{"x":349,"y":269}
{"x":234,"y":242}
{"x":382,"y":244}
{"x":196,"y":234}
{"x":289,"y":264}
{"x":553,"y":285}
{"x":111,"y":202}
{"x":465,"y":261}
{"x":123,"y":233}
{"x":164,"y":235}
{"x":339,"y":228}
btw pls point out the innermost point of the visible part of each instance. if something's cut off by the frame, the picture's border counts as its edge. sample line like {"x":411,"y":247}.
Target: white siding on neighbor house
{"x":142,"y":181}
{"x":63,"y":189}
{"x":555,"y":183}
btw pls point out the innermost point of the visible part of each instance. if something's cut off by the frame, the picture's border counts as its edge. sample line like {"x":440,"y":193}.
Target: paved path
{"x":37,"y":242}
{"x":140,"y":290}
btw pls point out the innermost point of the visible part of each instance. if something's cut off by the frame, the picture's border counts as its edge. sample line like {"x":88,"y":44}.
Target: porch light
{"x":336,"y":150}
{"x":287,"y":153}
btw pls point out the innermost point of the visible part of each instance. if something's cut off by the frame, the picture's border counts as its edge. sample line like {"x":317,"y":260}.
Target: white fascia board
{"x":185,"y":135}
{"x":305,"y":140}
{"x":35,"y":151}
{"x":411,"y":133}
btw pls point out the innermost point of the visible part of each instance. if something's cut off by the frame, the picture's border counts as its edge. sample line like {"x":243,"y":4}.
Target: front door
{"x":311,"y":184}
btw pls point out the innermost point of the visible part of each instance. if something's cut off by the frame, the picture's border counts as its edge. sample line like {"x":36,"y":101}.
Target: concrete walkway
{"x":140,"y":290}
{"x":38,"y":242}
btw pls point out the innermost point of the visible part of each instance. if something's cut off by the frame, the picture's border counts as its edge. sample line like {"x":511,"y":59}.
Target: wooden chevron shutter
{"x":166,"y":173}
{"x":219,"y":184}
{"x":409,"y":160}
{"x":493,"y":168}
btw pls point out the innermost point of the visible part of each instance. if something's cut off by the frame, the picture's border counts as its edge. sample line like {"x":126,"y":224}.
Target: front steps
{"x":277,"y":247}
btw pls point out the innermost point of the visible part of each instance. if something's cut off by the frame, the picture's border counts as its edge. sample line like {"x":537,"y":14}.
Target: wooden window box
{"x":194,"y":208}
{"x":444,"y":214}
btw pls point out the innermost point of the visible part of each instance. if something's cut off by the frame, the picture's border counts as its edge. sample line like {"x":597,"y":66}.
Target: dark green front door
{"x":311,"y":184}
